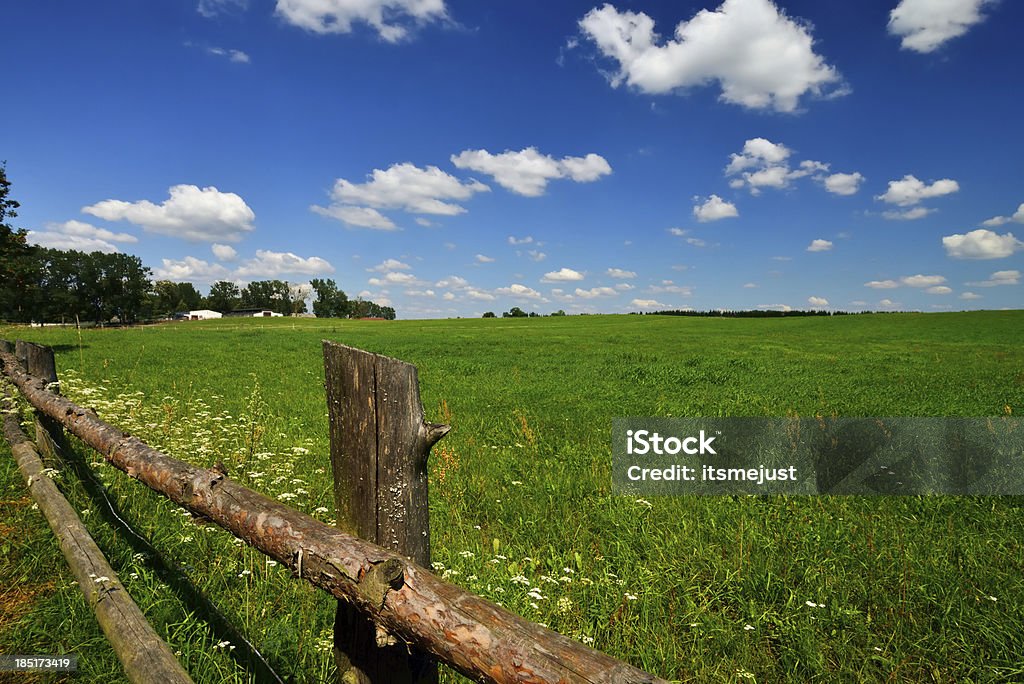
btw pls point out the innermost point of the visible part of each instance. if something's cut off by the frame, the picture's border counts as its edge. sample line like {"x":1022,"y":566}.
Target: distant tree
{"x":19,"y":266}
{"x":560,"y":312}
{"x":489,"y":314}
{"x":268,"y":294}
{"x":534,"y":314}
{"x":299,"y":294}
{"x":224,"y":296}
{"x":171,"y":297}
{"x":515,"y":312}
{"x":330,"y":302}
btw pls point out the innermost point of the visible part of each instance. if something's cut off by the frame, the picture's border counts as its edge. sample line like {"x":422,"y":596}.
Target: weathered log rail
{"x":479,"y":639}
{"x":143,"y":654}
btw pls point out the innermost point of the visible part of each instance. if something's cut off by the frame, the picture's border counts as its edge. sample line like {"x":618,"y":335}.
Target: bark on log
{"x":379,"y":449}
{"x":143,"y":654}
{"x":476,"y":637}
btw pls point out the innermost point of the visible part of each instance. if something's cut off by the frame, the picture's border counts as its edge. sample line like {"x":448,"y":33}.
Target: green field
{"x":767,"y":589}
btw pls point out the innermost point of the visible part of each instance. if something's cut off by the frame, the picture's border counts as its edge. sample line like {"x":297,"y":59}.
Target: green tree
{"x":19,"y":266}
{"x":489,"y":314}
{"x":330,"y":301}
{"x":515,"y":312}
{"x":224,"y":296}
{"x":268,"y":294}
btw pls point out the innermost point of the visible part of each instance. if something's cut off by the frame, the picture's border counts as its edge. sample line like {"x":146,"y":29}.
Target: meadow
{"x":765,"y":589}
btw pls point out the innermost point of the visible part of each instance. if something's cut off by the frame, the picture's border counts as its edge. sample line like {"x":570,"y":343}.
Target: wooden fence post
{"x":379,"y":449}
{"x":39,"y":361}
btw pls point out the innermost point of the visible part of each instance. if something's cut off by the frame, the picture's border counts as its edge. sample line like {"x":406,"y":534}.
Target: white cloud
{"x":269,"y":264}
{"x":390,"y":265}
{"x":922,"y":280}
{"x":527,"y":172}
{"x":889,"y":304}
{"x":909,"y":191}
{"x":750,"y":286}
{"x":211,"y":8}
{"x":394,"y":278}
{"x":200,"y":215}
{"x":620,"y":273}
{"x":970,"y":296}
{"x":391,"y":19}
{"x":817,"y":301}
{"x":596,"y":292}
{"x":1000,"y":278}
{"x":775,"y":307}
{"x":537,"y":255}
{"x":426,"y":223}
{"x":981,"y":244}
{"x":236,"y":56}
{"x":519,"y":291}
{"x":1018,"y":216}
{"x":669,"y":286}
{"x":190,"y":269}
{"x":882,"y":284}
{"x":623,"y":287}
{"x":907,"y":214}
{"x":484,"y":259}
{"x":453,"y":283}
{"x":843,"y":183}
{"x":224,"y":252}
{"x":759,"y":56}
{"x":819,"y":245}
{"x":678,"y":232}
{"x":407,"y":187}
{"x":939,"y":290}
{"x":513,"y":240}
{"x":646,"y":304}
{"x":474,"y":293}
{"x":696,"y":242}
{"x":924,"y":25}
{"x":79,"y":236}
{"x":764,"y":164}
{"x":421,"y":293}
{"x":360,"y":217}
{"x":713,"y":209}
{"x":562,"y":275}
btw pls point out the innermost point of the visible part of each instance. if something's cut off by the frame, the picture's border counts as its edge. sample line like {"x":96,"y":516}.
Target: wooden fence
{"x":395,"y":619}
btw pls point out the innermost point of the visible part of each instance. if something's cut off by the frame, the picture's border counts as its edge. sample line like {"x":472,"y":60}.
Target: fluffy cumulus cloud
{"x":527,"y":172}
{"x":402,"y":186}
{"x":819,"y":245}
{"x":484,"y":259}
{"x":764,"y":164}
{"x":646,"y":304}
{"x":192,"y":213}
{"x":269,"y":264}
{"x":843,"y":183}
{"x":998,"y":278}
{"x":939,"y":290}
{"x":595,"y":292}
{"x":969,"y":296}
{"x":922,"y":280}
{"x":911,"y":214}
{"x":1018,"y":216}
{"x":224,"y":252}
{"x":620,"y":273}
{"x":519,"y":291}
{"x":882,"y":284}
{"x":393,"y":20}
{"x":925,"y":25}
{"x":390,"y":265}
{"x":818,"y":302}
{"x":760,"y":57}
{"x":394,"y":278}
{"x":191,"y":269}
{"x":80,"y":236}
{"x":714,"y":208}
{"x":981,"y":244}
{"x":910,"y":191}
{"x":562,"y":275}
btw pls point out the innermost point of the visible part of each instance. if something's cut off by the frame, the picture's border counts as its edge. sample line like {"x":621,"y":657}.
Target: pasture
{"x":767,"y":589}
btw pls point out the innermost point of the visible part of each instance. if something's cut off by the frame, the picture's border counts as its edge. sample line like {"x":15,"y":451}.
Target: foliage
{"x":224,"y":296}
{"x":330,"y":302}
{"x":515,"y":312}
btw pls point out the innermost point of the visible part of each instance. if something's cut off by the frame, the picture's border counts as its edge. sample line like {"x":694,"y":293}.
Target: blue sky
{"x":450,"y":157}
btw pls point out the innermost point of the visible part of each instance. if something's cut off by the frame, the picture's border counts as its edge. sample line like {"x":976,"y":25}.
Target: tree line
{"x":40,"y":284}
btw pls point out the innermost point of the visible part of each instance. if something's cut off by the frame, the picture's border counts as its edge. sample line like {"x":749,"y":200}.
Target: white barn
{"x":203,"y":314}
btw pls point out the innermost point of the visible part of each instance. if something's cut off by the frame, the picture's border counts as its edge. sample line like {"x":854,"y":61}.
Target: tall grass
{"x":694,"y":589}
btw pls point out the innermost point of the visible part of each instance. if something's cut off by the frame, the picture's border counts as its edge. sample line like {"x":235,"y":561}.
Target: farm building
{"x":252,"y":313}
{"x":203,"y":314}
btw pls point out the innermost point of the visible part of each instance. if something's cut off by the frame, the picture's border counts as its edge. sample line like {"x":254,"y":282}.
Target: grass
{"x":769,"y":589}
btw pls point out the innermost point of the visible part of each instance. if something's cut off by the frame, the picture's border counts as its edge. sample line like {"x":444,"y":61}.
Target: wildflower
{"x":631,"y":597}
{"x":101,"y":579}
{"x":748,"y":627}
{"x":244,"y":573}
{"x":812,"y":604}
{"x":466,"y":554}
{"x":535,"y":594}
{"x":587,"y":639}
